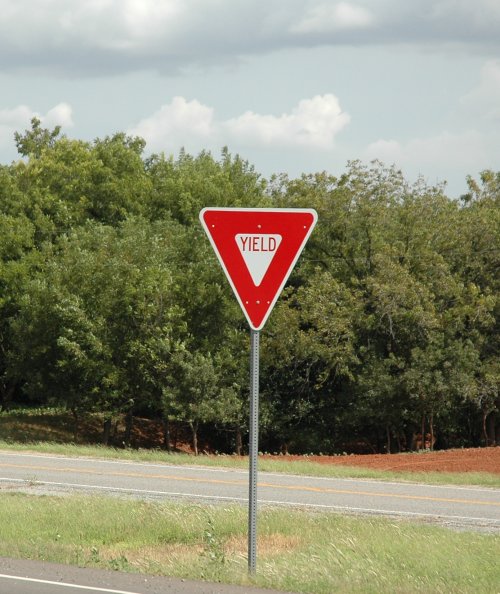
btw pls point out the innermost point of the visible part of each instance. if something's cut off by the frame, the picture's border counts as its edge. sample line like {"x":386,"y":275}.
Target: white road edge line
{"x":64,"y":584}
{"x":260,"y":501}
{"x":383,"y":512}
{"x":244,"y":472}
{"x":126,"y":462}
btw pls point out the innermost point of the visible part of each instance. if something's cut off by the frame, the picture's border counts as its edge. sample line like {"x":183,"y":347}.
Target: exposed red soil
{"x":148,"y":434}
{"x":466,"y":460}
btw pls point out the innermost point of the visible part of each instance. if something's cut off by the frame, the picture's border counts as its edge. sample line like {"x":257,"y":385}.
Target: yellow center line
{"x":305,"y":488}
{"x":376,"y":494}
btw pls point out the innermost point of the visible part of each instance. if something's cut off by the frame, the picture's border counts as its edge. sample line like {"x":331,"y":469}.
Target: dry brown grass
{"x":268,"y":545}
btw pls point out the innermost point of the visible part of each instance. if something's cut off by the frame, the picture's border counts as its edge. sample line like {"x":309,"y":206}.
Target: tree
{"x":195,"y":384}
{"x":309,"y":350}
{"x":100,"y":315}
{"x":183,"y":187}
{"x":486,"y":393}
{"x":58,"y":352}
{"x":111,"y":298}
{"x":17,"y":240}
{"x":33,"y":142}
{"x":231,"y":407}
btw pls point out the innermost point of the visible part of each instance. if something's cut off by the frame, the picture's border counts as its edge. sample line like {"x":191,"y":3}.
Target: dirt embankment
{"x":466,"y":460}
{"x":146,"y":433}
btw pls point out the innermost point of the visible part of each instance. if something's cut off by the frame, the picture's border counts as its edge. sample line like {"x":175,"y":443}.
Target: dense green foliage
{"x":111,"y":300}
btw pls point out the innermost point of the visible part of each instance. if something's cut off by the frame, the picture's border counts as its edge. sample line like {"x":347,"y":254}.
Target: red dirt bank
{"x":468,"y":460}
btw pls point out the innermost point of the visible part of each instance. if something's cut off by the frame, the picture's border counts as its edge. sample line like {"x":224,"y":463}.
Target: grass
{"x":297,"y":550}
{"x":50,"y":431}
{"x":303,"y":468}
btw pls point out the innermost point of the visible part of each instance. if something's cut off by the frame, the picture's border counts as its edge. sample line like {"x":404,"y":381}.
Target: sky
{"x":292,"y":86}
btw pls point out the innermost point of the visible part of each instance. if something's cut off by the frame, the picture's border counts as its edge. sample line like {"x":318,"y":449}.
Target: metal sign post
{"x":254,"y":450}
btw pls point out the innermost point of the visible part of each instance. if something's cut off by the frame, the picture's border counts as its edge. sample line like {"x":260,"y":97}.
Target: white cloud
{"x":438,"y":157}
{"x":328,"y":17}
{"x":95,"y":37}
{"x":313,"y":123}
{"x":472,"y":145}
{"x":481,"y":14}
{"x":19,"y":118}
{"x":12,"y":120}
{"x":484,"y":100}
{"x":122,"y":25}
{"x":179,"y":123}
{"x":60,"y":115}
{"x":463,"y":149}
{"x":146,"y":18}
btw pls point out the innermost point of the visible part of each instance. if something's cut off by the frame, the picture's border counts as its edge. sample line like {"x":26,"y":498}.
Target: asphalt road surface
{"x":470,"y":507}
{"x":35,"y":577}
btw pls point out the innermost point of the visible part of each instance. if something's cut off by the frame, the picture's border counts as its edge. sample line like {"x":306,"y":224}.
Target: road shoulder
{"x":116,"y":580}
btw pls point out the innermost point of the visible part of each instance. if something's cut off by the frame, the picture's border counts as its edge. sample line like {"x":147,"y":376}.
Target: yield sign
{"x":258,"y":248}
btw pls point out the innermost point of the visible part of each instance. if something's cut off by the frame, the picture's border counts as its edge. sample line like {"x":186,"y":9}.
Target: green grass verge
{"x":50,"y":431}
{"x":297,"y":551}
{"x":304,"y":468}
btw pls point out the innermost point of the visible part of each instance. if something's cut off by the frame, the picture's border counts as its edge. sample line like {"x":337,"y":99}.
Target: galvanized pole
{"x":253,"y":450}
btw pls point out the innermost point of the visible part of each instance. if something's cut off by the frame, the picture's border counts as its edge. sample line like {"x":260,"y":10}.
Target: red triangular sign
{"x":258,"y":248}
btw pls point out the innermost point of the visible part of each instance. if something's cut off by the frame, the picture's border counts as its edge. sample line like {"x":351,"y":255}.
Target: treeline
{"x":112,"y":301}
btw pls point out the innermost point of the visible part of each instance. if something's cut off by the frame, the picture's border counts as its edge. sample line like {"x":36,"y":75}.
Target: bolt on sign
{"x":257,"y":249}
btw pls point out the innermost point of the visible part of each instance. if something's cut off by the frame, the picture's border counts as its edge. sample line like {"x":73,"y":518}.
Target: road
{"x":473,"y":507}
{"x":19,"y":576}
